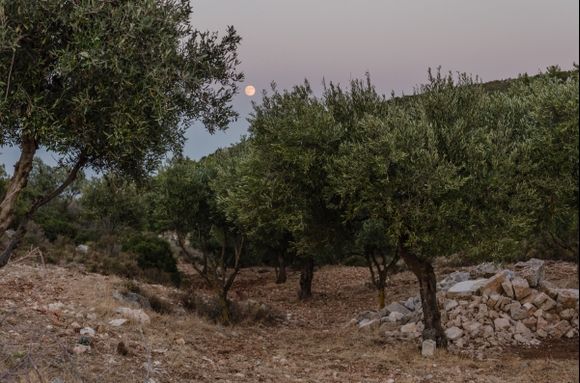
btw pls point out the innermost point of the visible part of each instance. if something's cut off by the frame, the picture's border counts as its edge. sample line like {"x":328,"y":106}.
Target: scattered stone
{"x":548,"y":288}
{"x":508,"y":288}
{"x":572,"y":333}
{"x":485,"y":270}
{"x":136,"y":315}
{"x":568,"y":298}
{"x":493,"y":284}
{"x":81,"y":348}
{"x":541,"y":333}
{"x":500,"y":311}
{"x":453,"y":333}
{"x":133,"y":298}
{"x":450,"y":304}
{"x":541,"y":324}
{"x":559,"y":329}
{"x":530,"y":323}
{"x":465,"y":289}
{"x":517,"y":312}
{"x":55,"y":307}
{"x":180,"y":341}
{"x":522,"y":338}
{"x":540,"y":299}
{"x":428,"y":348}
{"x":75,"y":326}
{"x":452,"y":279}
{"x":488,"y":331}
{"x":408,"y":328}
{"x":399,"y":308}
{"x":410,"y":304}
{"x":395,"y":316}
{"x":522,"y":328}
{"x":501,"y":323}
{"x":531,"y":270}
{"x":83,"y":249}
{"x":567,"y":314}
{"x":521,"y":288}
{"x":88,"y":331}
{"x":548,"y":304}
{"x":369,"y":324}
{"x":472,"y":327}
{"x":118,"y":322}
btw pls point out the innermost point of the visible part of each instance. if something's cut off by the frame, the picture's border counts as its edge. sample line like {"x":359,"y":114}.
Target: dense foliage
{"x":355,"y":177}
{"x":107,"y":85}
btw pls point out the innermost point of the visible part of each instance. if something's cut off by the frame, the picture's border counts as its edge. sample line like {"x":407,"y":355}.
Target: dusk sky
{"x":396,"y":41}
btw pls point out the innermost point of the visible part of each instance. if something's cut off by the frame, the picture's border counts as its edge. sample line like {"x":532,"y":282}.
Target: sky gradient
{"x":396,"y":41}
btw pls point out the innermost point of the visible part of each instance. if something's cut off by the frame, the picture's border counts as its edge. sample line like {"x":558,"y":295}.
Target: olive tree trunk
{"x":17,"y":182}
{"x":306,"y":277}
{"x":281,"y":275}
{"x":424,"y":272}
{"x":15,"y":240}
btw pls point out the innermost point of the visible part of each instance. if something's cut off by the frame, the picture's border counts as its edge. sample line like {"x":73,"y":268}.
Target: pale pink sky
{"x":396,"y":41}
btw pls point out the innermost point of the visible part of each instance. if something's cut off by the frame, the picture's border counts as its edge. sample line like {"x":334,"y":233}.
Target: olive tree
{"x":349,"y":106}
{"x":549,"y":166}
{"x":431,"y":170}
{"x":190,"y":198}
{"x":107,"y":85}
{"x":291,"y":137}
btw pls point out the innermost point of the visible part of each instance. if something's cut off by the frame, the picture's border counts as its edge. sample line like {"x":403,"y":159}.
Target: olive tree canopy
{"x":107,"y":85}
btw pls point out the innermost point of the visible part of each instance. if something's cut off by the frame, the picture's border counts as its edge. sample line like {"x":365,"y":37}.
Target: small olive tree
{"x":107,"y":85}
{"x":190,"y":198}
{"x":291,"y":137}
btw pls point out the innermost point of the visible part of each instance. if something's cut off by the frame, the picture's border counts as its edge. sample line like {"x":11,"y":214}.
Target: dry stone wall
{"x":509,"y":307}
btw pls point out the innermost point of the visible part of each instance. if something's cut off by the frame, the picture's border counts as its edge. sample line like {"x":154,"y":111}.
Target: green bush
{"x":57,"y":226}
{"x":154,"y":257}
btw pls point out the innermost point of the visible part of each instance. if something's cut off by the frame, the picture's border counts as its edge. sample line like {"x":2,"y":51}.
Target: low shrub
{"x":154,"y":258}
{"x":355,"y":260}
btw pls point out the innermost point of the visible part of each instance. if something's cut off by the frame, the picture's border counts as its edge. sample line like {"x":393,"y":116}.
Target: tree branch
{"x":7,"y":253}
{"x":181,"y":242}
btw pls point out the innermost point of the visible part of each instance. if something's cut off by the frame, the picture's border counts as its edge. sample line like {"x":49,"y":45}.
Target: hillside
{"x":44,"y":309}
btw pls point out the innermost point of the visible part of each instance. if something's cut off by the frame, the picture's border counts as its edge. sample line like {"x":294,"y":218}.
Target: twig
{"x":10,"y":74}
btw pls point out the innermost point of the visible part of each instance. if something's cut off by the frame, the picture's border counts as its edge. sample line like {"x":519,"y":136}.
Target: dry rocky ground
{"x":62,"y":325}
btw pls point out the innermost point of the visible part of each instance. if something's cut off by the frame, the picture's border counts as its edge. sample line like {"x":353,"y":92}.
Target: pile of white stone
{"x":510,"y":307}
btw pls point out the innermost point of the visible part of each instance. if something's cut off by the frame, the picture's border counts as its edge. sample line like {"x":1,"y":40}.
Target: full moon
{"x":250,"y":90}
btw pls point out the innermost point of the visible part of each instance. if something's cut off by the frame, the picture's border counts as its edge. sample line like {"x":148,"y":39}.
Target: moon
{"x":249,"y":90}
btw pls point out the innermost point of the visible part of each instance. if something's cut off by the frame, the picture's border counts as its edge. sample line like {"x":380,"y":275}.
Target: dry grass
{"x":313,"y":345}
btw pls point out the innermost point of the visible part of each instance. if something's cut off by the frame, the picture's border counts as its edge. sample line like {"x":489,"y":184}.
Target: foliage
{"x":113,"y":204}
{"x":112,"y":80}
{"x":59,"y":217}
{"x":106,"y":85}
{"x":153,"y":253}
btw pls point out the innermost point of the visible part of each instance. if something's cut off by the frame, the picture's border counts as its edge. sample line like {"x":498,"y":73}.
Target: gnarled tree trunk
{"x":424,"y":272}
{"x":306,"y":277}
{"x":15,"y":240}
{"x":17,"y":182}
